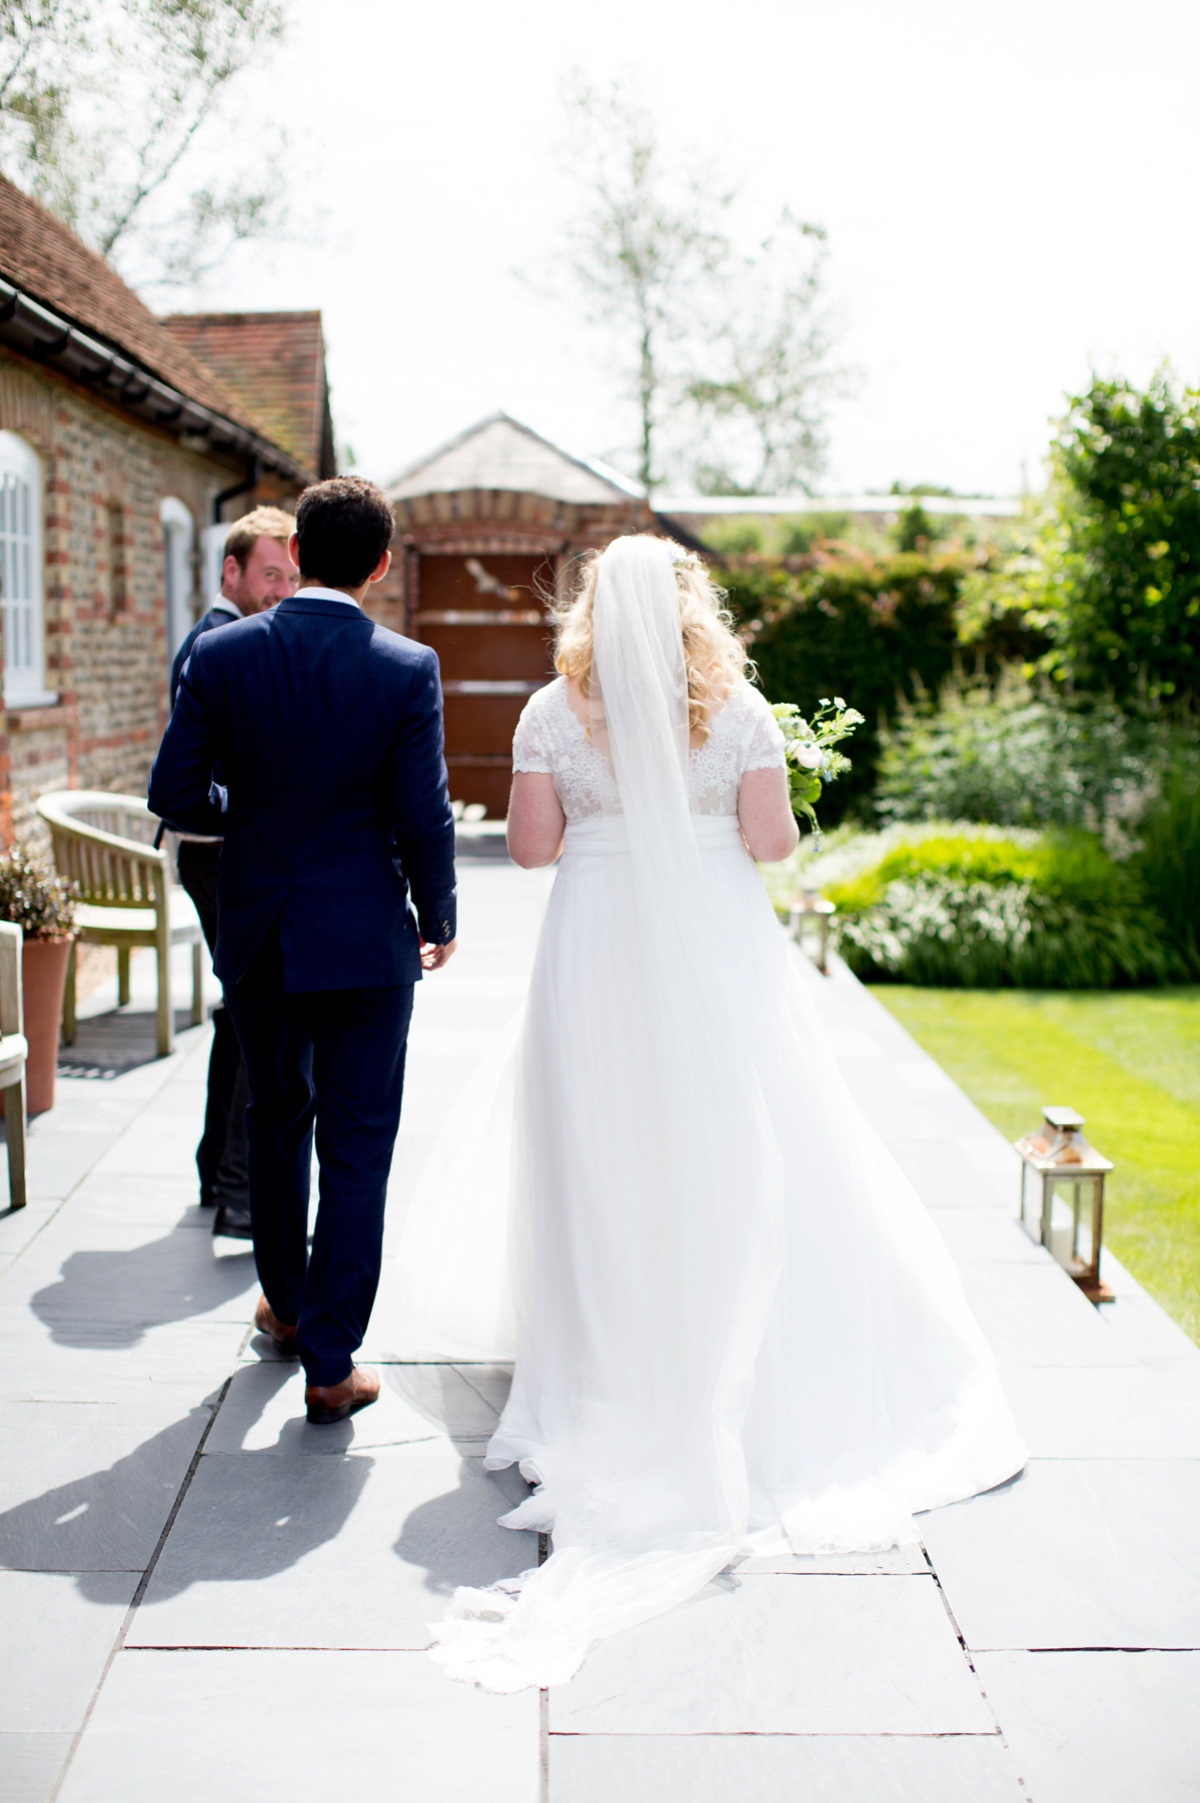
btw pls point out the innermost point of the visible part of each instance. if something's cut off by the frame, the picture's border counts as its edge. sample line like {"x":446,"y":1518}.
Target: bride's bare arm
{"x":536,"y":821}
{"x":765,"y":815}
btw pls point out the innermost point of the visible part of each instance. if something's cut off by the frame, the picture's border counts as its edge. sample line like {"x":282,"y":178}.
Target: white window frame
{"x":179,"y":536}
{"x":212,"y":560}
{"x":21,"y":556}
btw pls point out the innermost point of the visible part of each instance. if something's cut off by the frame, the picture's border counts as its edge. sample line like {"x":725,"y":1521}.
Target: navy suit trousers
{"x":332,"y":1059}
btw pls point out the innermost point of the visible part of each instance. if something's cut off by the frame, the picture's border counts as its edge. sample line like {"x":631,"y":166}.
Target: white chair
{"x":104,"y":843}
{"x":13,"y":1053}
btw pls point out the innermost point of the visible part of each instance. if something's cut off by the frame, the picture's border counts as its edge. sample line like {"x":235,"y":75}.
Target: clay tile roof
{"x":502,"y":453}
{"x":42,"y":257}
{"x":275,"y":362}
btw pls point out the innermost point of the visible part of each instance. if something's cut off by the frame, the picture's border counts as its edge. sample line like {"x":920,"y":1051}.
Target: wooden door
{"x":488,"y":620}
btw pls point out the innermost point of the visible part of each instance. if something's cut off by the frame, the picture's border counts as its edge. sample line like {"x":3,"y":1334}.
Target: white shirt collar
{"x":223,"y":605}
{"x":315,"y":593}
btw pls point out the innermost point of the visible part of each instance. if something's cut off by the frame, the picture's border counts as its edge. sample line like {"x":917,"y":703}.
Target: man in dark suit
{"x":333,"y":804}
{"x":256,"y":573}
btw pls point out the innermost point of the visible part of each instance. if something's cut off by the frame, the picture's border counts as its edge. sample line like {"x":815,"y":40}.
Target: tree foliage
{"x":102,"y":106}
{"x":1129,"y":578}
{"x":724,"y":354}
{"x":763,"y":402}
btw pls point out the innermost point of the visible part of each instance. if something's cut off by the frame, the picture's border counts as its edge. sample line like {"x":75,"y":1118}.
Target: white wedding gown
{"x":734,"y":1324}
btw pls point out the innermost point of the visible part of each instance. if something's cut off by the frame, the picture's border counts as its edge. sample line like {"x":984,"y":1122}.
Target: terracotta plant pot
{"x":43,"y":978}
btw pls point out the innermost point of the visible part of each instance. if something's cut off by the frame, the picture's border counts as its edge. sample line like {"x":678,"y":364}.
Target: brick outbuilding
{"x":128,"y":444}
{"x":487,"y":526}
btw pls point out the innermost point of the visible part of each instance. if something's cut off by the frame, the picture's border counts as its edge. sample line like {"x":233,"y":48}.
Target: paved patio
{"x":203,"y":1598}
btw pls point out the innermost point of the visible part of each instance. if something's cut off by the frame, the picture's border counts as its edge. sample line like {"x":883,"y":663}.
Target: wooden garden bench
{"x":104,"y":843}
{"x":13,"y":1052}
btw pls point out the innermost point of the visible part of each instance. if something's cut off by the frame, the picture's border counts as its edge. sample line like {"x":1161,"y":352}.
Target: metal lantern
{"x":812,"y":906}
{"x":1062,"y":1196}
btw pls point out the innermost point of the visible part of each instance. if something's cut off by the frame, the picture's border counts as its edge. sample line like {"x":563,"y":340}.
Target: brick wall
{"x":104,"y":476}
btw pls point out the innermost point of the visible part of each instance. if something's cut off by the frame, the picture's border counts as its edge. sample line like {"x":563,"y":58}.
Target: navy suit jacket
{"x":332,"y":801}
{"x":216,"y":616}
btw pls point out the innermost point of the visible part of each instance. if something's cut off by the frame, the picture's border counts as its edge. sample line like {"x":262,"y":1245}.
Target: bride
{"x":735,"y":1327}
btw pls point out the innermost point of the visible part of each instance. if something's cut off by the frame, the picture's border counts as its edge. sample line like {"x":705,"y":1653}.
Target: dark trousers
{"x":334,"y":1057}
{"x":222,"y":1157}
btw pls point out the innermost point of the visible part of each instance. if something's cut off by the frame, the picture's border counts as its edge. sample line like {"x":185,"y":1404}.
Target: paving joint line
{"x":143,"y":1582}
{"x":972,"y":1668}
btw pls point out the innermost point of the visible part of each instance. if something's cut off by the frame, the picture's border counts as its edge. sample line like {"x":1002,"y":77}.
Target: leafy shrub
{"x":1168,"y":859}
{"x":965,"y":906}
{"x":1126,"y":581}
{"x":1016,"y":755}
{"x":34,"y":898}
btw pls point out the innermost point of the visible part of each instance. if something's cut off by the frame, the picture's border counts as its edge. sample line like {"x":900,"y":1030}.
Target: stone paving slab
{"x":783,"y":1655}
{"x":236,"y":1727}
{"x":358,"y":1551}
{"x":88,"y":1486}
{"x":419,"y":1405}
{"x":1077,"y":1553}
{"x":30,"y":1764}
{"x":190,"y":1358}
{"x":1100,"y":1413}
{"x":1100,"y":1727}
{"x":55,"y":1637}
{"x":1034,"y":1316}
{"x":782,"y":1768}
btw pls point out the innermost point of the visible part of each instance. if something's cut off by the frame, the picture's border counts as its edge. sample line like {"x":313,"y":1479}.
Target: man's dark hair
{"x":344,"y":526}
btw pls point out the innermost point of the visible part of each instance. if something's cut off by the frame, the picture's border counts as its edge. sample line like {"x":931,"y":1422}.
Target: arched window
{"x":21,"y":573}
{"x":179,"y":532}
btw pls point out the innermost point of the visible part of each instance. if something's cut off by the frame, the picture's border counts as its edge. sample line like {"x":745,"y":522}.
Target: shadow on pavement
{"x":453,"y":1536}
{"x":120,"y":1040}
{"x":246,"y":1517}
{"x":108,"y":1299}
{"x":109,"y":1520}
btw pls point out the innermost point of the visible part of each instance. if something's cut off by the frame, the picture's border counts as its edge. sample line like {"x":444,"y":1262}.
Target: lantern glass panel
{"x":1073,"y":1214}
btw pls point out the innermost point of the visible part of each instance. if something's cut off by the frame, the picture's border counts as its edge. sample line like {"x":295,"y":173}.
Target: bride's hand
{"x":434,"y":956}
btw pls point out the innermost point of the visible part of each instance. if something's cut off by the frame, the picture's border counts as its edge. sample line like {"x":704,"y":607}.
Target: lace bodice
{"x":550,"y":739}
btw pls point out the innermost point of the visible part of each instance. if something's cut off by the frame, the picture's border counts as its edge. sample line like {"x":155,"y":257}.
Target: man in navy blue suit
{"x":333,"y":804}
{"x":256,"y":573}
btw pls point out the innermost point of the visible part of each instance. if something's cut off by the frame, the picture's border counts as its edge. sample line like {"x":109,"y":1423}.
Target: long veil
{"x":670,"y":1250}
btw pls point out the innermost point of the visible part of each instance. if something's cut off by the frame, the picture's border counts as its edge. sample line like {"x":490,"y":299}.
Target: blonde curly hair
{"x":714,"y":657}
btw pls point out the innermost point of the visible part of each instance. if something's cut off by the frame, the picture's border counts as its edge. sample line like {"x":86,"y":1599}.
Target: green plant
{"x":799,"y":532}
{"x":963,"y":906}
{"x":34,"y":898}
{"x":1126,"y":578}
{"x":1016,"y":753}
{"x":1168,"y":859}
{"x":853,"y":624}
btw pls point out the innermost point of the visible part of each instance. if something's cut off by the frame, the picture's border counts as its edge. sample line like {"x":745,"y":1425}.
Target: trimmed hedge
{"x":875,"y":630}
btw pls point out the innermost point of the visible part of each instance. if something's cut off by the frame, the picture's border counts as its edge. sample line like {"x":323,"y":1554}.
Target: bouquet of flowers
{"x":809,"y":748}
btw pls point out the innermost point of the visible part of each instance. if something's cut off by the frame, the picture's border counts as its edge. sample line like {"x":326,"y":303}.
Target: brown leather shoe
{"x":333,"y":1402}
{"x":268,"y":1322}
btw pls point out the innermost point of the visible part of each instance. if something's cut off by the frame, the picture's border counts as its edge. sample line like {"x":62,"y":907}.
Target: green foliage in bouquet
{"x":809,"y":746}
{"x":973,"y":907}
{"x":34,"y":898}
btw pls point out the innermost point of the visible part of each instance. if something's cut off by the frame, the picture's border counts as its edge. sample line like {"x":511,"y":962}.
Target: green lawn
{"x":1127,"y":1060}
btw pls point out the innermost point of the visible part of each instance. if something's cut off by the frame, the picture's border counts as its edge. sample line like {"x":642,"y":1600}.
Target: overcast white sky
{"x":1010,"y":193}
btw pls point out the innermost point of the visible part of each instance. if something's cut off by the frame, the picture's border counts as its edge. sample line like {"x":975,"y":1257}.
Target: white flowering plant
{"x":809,"y":747}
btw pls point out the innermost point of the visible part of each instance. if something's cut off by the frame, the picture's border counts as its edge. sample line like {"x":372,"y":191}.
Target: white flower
{"x":808,"y":757}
